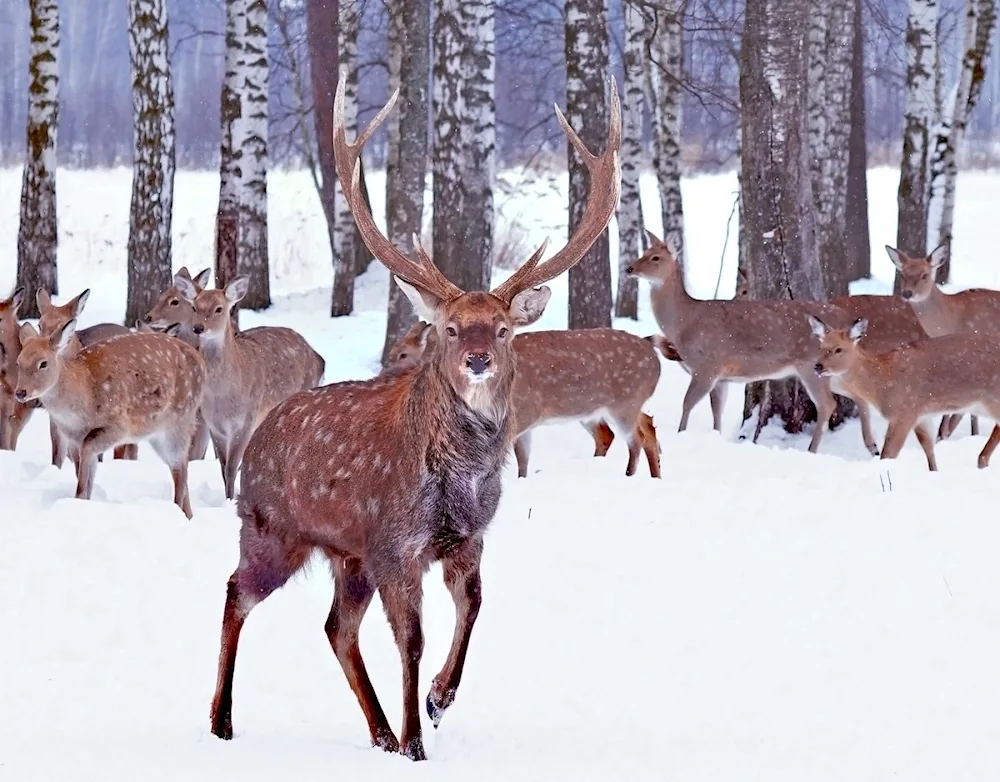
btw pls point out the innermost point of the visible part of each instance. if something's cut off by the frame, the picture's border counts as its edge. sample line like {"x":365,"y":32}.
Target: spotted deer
{"x":248,"y":372}
{"x":133,"y":387}
{"x":973,"y":311}
{"x":955,"y":373}
{"x":388,"y":475}
{"x":591,"y":375}
{"x":172,"y":308}
{"x":52,"y":318}
{"x":13,"y":415}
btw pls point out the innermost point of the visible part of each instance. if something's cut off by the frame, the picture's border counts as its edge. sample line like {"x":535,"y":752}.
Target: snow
{"x":759,"y":613}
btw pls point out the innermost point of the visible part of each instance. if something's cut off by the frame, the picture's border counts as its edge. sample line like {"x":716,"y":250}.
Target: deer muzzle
{"x":478,"y":363}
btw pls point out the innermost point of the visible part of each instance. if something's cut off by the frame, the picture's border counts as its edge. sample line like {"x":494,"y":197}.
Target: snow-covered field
{"x":760,"y":613}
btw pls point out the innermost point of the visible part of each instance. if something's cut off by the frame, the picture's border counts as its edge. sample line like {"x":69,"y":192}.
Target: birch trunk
{"x":37,"y":235}
{"x":149,"y":239}
{"x":979,"y":23}
{"x":830,"y":39}
{"x":776,"y":193}
{"x":342,"y":298}
{"x":409,"y":63}
{"x":629,"y":216}
{"x":857,"y":243}
{"x":231,"y":142}
{"x":253,"y":256}
{"x":921,"y":51}
{"x":587,"y":114}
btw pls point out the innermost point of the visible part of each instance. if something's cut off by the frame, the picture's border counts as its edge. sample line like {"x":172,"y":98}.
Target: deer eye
{"x":654,"y":258}
{"x":42,"y":364}
{"x":174,"y":302}
{"x":218,"y":310}
{"x":923,"y":276}
{"x":839,"y":350}
{"x":451,"y":331}
{"x":502,"y":333}
{"x":402,"y":356}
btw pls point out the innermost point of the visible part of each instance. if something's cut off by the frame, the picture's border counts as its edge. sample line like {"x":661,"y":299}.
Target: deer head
{"x":658,"y":264}
{"x":410,"y":348}
{"x":172,"y":306}
{"x":474,"y":329}
{"x":38,"y":363}
{"x":212,"y":307}
{"x":917,"y":275}
{"x":54,"y":318}
{"x":838,"y":348}
{"x":10,"y":343}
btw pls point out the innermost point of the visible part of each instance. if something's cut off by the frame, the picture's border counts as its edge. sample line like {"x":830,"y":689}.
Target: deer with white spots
{"x":588,"y":375}
{"x":122,"y":390}
{"x":388,"y":475}
{"x":13,"y":415}
{"x":249,"y":372}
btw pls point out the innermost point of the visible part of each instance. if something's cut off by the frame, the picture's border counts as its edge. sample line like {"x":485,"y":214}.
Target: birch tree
{"x":666,"y":52}
{"x":230,"y":127}
{"x":857,"y":243}
{"x":37,"y":235}
{"x":253,"y":83}
{"x":149,"y":238}
{"x":776,"y":195}
{"x":342,"y":301}
{"x":409,"y":63}
{"x":830,"y":45}
{"x":630,"y":241}
{"x":587,"y":113}
{"x":912,"y":197}
{"x":978,"y":27}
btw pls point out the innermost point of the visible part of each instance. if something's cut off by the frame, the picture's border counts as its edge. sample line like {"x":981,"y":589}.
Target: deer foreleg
{"x":401,"y":595}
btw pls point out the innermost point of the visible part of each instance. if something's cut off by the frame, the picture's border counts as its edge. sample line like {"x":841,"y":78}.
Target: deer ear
{"x":425,"y":304}
{"x":858,"y":329}
{"x":61,"y":337}
{"x":425,"y":334}
{"x":938,"y":256}
{"x":201,"y":280}
{"x":186,"y":287}
{"x":42,"y":298}
{"x":528,"y":306}
{"x":897,"y":258}
{"x":27,"y":331}
{"x":183,"y":272}
{"x":80,"y":302}
{"x":172,"y":330}
{"x":819,"y":328}
{"x":237,"y":288}
{"x":16,"y":299}
{"x":653,"y":238}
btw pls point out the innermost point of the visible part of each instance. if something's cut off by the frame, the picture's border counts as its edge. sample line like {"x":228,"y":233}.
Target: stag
{"x":389,"y":475}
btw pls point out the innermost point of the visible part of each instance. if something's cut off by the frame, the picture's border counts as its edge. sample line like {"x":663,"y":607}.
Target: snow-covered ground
{"x":760,"y":613}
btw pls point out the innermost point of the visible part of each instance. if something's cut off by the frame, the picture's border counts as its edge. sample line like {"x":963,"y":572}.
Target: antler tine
{"x":509,"y":287}
{"x":347,"y":156}
{"x":427,"y":263}
{"x":602,"y":200}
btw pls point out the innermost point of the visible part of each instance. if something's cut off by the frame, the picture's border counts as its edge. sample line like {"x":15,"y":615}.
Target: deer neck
{"x":870,"y":378}
{"x":222,"y":354}
{"x":932,"y":312}
{"x":671,"y":303}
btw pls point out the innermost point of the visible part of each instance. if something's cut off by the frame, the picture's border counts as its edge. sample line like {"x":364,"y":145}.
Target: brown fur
{"x":13,"y":415}
{"x":950,"y":374}
{"x":130,"y":388}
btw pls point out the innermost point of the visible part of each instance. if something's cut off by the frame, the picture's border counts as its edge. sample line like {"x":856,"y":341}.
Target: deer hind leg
{"x":127,"y":451}
{"x":266,"y":564}
{"x":974,"y":425}
{"x":895,"y":436}
{"x":699,"y":386}
{"x":234,"y":456}
{"x":990,"y":447}
{"x":522,"y":451}
{"x":352,"y":596}
{"x":461,"y":576}
{"x":948,"y":425}
{"x":819,"y":391}
{"x":650,"y":444}
{"x":717,"y":398}
{"x":927,"y":443}
{"x":401,"y":595}
{"x":603,"y":436}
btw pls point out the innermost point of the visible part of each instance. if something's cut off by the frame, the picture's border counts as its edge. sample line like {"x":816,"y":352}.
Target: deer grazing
{"x":590,"y":375}
{"x":388,"y":475}
{"x":13,"y":415}
{"x":173,"y":308}
{"x":953,"y":374}
{"x":53,"y":318}
{"x":248,"y":372}
{"x":973,"y":311}
{"x":123,"y":390}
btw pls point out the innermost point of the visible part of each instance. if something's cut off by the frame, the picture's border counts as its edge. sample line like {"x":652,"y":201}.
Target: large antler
{"x":424,"y":275}
{"x":602,"y":200}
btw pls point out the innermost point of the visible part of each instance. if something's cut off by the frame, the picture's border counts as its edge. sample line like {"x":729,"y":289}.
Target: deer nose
{"x":819,"y":369}
{"x":628,"y":270}
{"x":199,"y":329}
{"x":148,"y":319}
{"x":21,"y":394}
{"x":478,"y":362}
{"x":907,"y":294}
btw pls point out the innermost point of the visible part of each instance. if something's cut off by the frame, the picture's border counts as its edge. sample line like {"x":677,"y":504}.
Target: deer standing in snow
{"x":953,"y":374}
{"x":589,"y":375}
{"x":122,"y":390}
{"x":248,"y":372}
{"x":13,"y":415}
{"x":388,"y":475}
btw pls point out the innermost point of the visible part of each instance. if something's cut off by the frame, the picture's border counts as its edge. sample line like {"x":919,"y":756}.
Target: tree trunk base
{"x":788,"y":400}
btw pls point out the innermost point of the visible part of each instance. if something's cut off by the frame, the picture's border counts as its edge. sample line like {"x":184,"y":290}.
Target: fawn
{"x":172,"y":308}
{"x":13,"y":415}
{"x":52,"y":318}
{"x":388,"y":475}
{"x":248,"y":372}
{"x":590,"y":375}
{"x":974,"y":311}
{"x":956,"y":373}
{"x":122,"y":390}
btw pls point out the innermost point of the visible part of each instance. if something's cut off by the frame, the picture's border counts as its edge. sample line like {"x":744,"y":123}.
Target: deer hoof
{"x":438,"y":703}
{"x":414,"y":749}
{"x":223,"y":728}
{"x":386,"y":741}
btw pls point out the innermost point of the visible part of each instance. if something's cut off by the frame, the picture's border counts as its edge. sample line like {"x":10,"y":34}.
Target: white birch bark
{"x":629,"y":220}
{"x":253,"y":129}
{"x":344,"y":228}
{"x":231,"y":129}
{"x":37,"y":236}
{"x":153,"y":163}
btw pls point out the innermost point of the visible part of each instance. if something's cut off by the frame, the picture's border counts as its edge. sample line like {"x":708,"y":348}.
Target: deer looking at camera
{"x":13,"y":415}
{"x":973,"y":311}
{"x":953,"y":374}
{"x":589,"y":375}
{"x":388,"y":475}
{"x":122,"y":390}
{"x":248,"y":372}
